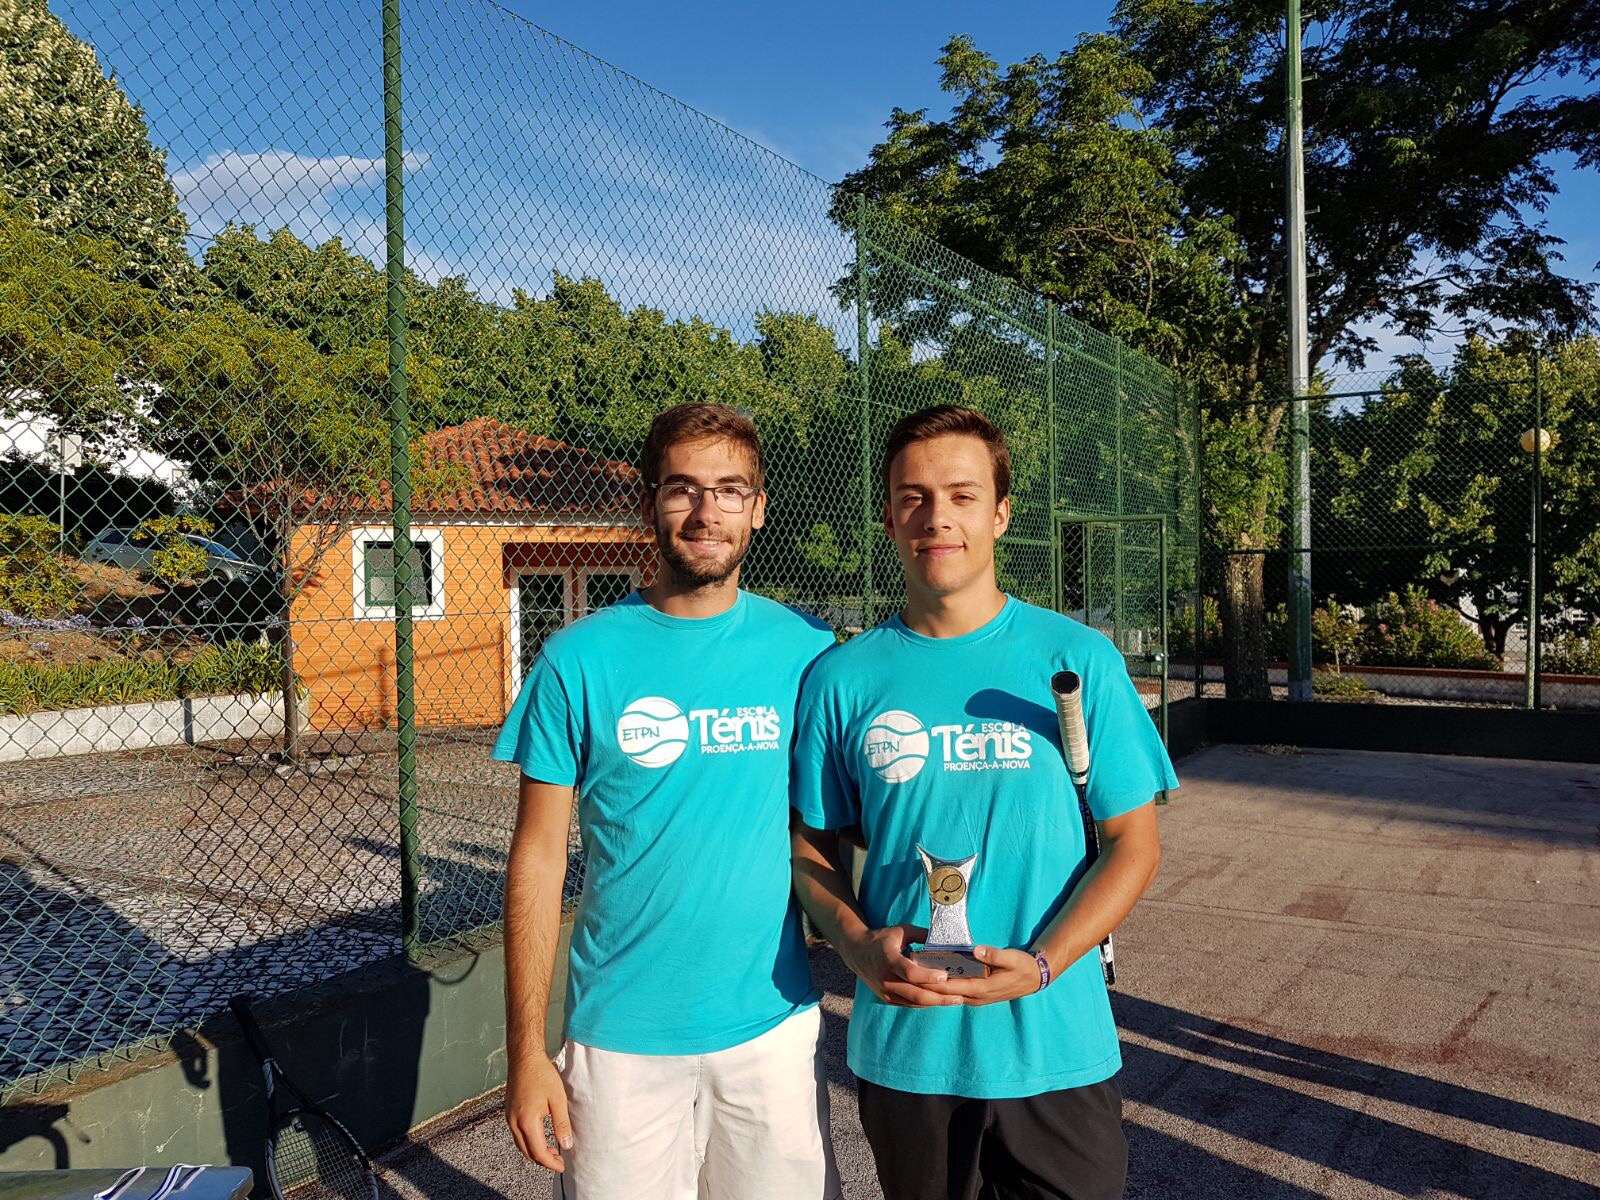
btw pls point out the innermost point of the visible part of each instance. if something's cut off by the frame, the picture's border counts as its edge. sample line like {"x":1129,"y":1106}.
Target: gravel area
{"x":139,"y":890}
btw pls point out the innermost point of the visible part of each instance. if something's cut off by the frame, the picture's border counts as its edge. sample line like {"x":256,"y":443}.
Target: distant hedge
{"x":229,"y":668}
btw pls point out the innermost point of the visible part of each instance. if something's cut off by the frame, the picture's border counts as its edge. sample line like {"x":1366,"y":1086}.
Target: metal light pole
{"x":1534,"y":441}
{"x":1299,"y":383}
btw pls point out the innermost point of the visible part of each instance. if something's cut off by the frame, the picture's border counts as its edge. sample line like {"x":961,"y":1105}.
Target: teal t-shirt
{"x":952,"y":743}
{"x":677,"y":733}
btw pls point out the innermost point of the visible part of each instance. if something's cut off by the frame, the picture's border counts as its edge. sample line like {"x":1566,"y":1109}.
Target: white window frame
{"x":360,"y":609}
{"x":569,"y":600}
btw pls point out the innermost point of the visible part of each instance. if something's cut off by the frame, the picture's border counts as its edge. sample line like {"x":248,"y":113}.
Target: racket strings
{"x":314,"y":1159}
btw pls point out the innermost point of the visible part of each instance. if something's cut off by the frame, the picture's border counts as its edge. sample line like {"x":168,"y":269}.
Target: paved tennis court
{"x":1358,"y":975}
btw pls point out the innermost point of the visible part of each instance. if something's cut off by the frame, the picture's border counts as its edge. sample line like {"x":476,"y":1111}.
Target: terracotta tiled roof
{"x":508,"y":473}
{"x":512,"y":472}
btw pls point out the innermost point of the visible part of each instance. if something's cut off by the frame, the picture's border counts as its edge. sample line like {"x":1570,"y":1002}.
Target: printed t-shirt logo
{"x":654,"y":731}
{"x":897,"y":746}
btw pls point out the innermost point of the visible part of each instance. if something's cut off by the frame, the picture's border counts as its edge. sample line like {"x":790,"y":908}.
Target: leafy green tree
{"x":1045,"y":173}
{"x":176,"y":559}
{"x":35,"y":579}
{"x":1433,"y":464}
{"x":1155,"y":153}
{"x":71,"y":334}
{"x":75,"y":154}
{"x":296,"y":439}
{"x":573,"y":364}
{"x":332,"y":297}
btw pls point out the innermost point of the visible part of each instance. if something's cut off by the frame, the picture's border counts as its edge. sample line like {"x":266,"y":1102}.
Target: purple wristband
{"x":1044,"y":969}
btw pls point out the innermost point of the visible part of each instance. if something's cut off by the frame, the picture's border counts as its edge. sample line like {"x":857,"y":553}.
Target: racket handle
{"x":1067,"y":689}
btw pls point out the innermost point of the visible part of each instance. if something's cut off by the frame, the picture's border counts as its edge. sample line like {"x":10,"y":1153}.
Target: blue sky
{"x":526,"y":157}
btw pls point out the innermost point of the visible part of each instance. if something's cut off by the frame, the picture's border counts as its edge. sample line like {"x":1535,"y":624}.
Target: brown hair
{"x":942,"y":420}
{"x":700,"y":423}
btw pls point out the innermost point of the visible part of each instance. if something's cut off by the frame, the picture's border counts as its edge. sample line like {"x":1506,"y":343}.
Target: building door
{"x":1114,"y":579}
{"x":541,"y":610}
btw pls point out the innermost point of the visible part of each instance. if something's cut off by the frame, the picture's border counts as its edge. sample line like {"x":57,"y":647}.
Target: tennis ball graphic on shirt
{"x":653,"y":731}
{"x":896,"y":746}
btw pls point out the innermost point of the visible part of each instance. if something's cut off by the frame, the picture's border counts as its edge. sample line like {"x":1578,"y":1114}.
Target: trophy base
{"x":955,"y":961}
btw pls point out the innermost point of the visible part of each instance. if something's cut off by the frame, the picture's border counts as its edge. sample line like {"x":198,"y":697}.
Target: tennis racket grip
{"x":1067,"y":689}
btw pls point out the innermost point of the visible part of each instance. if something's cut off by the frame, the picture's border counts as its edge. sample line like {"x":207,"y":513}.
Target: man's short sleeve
{"x":1128,"y":764}
{"x":820,"y":789}
{"x":542,"y":733}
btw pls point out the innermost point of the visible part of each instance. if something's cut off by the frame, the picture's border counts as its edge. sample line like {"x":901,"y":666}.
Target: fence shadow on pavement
{"x":1195,"y":1074}
{"x":1194,"y":1068}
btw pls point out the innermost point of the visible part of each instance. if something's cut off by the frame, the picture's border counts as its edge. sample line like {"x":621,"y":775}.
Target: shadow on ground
{"x":1197,"y":1074}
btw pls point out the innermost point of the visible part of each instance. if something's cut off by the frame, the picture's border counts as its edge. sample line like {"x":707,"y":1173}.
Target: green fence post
{"x":1118,"y":615}
{"x":1054,"y":533}
{"x":868,"y":521}
{"x":405,"y":690}
{"x":1300,"y":532}
{"x":1161,"y":550}
{"x":1199,"y":543}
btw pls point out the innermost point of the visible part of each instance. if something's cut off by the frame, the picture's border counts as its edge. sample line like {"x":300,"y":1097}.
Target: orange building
{"x":538,"y":534}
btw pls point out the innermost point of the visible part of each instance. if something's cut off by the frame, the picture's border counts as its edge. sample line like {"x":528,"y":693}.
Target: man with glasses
{"x":691,"y":1065}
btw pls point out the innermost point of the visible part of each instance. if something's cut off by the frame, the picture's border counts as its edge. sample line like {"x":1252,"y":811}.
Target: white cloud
{"x":277,"y":189}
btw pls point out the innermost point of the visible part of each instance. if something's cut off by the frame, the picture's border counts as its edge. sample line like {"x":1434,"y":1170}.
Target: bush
{"x":1335,"y":634}
{"x":230,"y":668}
{"x":1572,"y":654}
{"x":1408,"y":630}
{"x":234,"y":667}
{"x":35,"y":581}
{"x":1180,"y":630}
{"x":1411,"y":630}
{"x":176,"y":559}
{"x":1339,"y":687}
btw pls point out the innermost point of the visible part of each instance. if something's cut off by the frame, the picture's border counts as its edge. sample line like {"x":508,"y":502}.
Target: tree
{"x":1434,"y":463}
{"x":296,"y":439}
{"x":75,"y":154}
{"x":1156,"y":153}
{"x":333,"y":298}
{"x":573,"y":364}
{"x":71,"y":334}
{"x":1045,"y":175}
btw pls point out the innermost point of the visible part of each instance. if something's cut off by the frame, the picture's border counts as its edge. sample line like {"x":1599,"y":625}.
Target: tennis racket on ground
{"x":1067,"y":689}
{"x":309,"y":1154}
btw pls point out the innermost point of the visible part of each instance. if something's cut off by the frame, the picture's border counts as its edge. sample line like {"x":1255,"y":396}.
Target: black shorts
{"x":1065,"y":1145}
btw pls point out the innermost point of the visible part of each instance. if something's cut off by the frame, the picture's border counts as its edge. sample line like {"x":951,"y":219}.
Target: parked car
{"x":117,"y":546}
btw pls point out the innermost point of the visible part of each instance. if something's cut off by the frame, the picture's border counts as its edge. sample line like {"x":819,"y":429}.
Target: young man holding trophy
{"x":691,"y":1063}
{"x":981,"y":1032}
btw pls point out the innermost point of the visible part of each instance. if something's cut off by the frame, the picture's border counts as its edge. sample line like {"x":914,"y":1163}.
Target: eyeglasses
{"x":685,"y":497}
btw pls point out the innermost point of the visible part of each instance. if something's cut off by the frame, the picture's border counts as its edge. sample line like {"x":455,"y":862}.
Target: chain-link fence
{"x":238,"y":453}
{"x":1444,"y":526}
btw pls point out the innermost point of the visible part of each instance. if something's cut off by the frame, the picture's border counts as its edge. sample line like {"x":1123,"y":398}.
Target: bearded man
{"x":691,"y":1063}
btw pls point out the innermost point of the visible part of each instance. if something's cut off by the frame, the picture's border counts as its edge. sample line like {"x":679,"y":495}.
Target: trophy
{"x":949,"y":944}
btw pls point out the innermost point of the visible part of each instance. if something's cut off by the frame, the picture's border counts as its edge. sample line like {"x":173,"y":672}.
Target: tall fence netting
{"x":199,"y":736}
{"x":1453,"y":542}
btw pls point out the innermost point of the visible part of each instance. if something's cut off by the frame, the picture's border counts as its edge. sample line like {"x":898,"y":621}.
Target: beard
{"x":690,"y":574}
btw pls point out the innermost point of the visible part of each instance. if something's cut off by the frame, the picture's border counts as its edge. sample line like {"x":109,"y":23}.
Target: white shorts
{"x":746,"y":1123}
